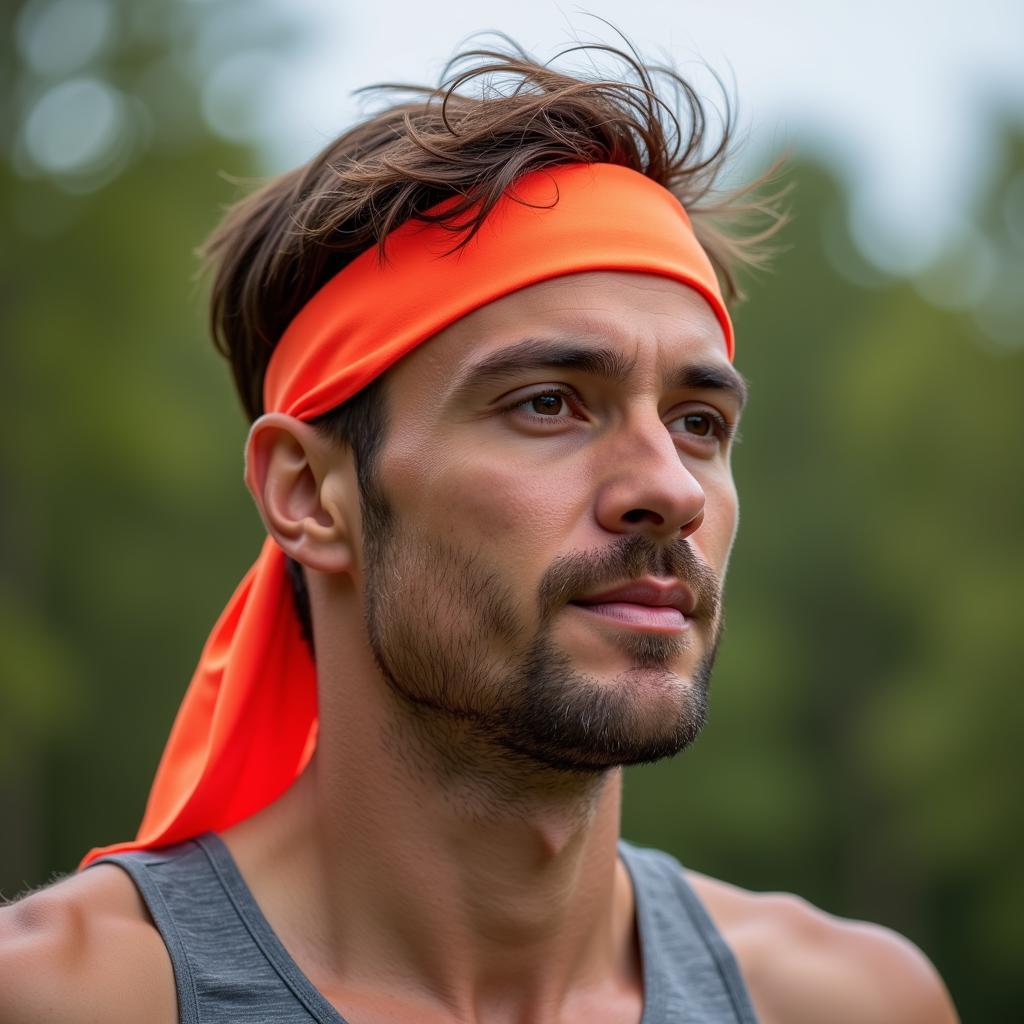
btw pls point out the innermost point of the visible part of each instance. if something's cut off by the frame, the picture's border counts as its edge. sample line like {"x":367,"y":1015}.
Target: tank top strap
{"x":690,"y":974}
{"x":228,"y":963}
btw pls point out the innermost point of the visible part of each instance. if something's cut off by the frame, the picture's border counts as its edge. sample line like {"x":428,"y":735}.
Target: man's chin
{"x":591,"y":755}
{"x":591,"y":723}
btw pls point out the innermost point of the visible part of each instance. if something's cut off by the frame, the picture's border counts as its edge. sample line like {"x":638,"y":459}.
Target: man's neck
{"x":471,"y":890}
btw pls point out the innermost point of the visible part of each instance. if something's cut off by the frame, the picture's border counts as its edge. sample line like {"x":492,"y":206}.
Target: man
{"x":488,"y":363}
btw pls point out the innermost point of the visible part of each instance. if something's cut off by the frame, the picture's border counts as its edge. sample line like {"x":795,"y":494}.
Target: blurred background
{"x":864,"y":746}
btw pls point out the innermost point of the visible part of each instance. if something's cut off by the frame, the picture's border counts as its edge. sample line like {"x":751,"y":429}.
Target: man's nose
{"x":649,"y":489}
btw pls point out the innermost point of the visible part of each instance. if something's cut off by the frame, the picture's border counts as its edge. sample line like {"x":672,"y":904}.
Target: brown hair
{"x":275,"y":248}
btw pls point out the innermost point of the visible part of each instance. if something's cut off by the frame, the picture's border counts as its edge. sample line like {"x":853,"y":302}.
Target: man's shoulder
{"x":803,"y":964}
{"x":83,"y":949}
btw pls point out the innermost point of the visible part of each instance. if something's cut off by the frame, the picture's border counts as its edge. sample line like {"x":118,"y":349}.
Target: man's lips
{"x":649,"y":603}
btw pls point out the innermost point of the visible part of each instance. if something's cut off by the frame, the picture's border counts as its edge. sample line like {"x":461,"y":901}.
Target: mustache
{"x":629,"y":558}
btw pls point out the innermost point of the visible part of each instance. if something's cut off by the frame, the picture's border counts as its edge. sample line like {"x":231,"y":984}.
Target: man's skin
{"x":418,"y":871}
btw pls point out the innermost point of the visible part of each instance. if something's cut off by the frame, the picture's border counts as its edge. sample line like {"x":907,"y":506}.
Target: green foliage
{"x":863,"y":748}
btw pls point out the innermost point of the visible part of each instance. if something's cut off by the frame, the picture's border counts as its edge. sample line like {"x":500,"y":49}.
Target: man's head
{"x":544,"y":507}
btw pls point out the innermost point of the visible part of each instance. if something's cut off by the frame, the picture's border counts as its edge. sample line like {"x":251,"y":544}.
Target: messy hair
{"x":497,"y":114}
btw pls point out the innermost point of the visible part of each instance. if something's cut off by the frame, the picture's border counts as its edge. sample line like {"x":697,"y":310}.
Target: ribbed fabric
{"x":230,"y":966}
{"x":690,"y":974}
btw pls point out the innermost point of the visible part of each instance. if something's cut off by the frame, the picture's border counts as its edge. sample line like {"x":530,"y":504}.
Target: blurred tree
{"x":862,"y":749}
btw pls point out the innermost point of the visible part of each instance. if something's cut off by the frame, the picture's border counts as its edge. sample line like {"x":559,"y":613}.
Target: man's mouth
{"x":656,"y":605}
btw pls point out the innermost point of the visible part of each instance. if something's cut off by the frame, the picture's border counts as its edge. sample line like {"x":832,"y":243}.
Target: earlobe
{"x":286,"y":464}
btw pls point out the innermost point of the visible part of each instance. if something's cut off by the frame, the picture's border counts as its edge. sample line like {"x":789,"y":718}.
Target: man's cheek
{"x":721,"y":519}
{"x":504,"y":503}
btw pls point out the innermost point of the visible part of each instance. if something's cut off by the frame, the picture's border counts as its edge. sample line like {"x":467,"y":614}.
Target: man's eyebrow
{"x":544,"y":353}
{"x":708,"y":377}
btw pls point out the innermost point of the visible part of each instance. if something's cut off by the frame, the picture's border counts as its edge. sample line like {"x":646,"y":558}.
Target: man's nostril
{"x":642,"y":515}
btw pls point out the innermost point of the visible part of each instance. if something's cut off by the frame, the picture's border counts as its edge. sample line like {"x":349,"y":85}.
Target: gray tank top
{"x":230,"y":966}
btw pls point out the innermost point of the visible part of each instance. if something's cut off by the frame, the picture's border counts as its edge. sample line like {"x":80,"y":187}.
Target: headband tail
{"x":247,"y":726}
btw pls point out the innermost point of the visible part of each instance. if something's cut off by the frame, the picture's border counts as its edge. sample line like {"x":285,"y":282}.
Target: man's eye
{"x":698,"y":423}
{"x":703,"y":424}
{"x":548,"y":403}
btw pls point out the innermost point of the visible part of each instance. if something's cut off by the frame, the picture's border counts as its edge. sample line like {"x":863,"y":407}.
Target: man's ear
{"x":287,"y":464}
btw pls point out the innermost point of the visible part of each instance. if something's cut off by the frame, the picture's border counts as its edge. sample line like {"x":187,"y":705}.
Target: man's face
{"x":552,"y":517}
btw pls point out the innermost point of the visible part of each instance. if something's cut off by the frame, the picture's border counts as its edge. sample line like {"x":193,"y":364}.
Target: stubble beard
{"x":435,"y":616}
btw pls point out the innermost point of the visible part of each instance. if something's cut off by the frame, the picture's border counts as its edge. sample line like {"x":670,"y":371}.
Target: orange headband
{"x":247,"y":726}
